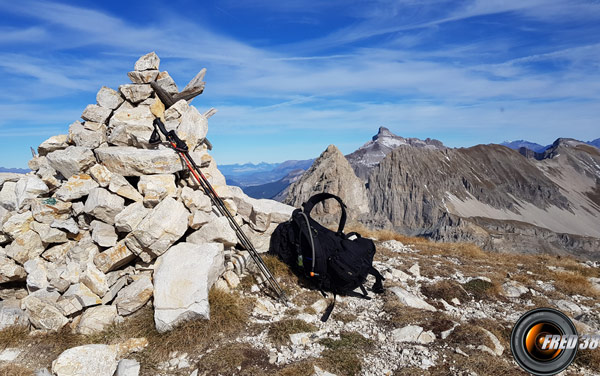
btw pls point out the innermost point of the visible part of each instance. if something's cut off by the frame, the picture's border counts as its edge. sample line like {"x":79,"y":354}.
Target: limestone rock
{"x":95,"y":280}
{"x":266,"y":211}
{"x":134,"y":296}
{"x":218,"y":230}
{"x":114,"y":290}
{"x":9,"y":177}
{"x":513,"y":289}
{"x":84,"y":295}
{"x":165,"y":81}
{"x":104,"y":205}
{"x":408,"y":333}
{"x":25,"y":246}
{"x":91,"y":135}
{"x":260,"y":240}
{"x":190,"y":270}
{"x":195,"y":200}
{"x":199,"y":218}
{"x":76,"y":187}
{"x":162,"y":227}
{"x":95,"y":113}
{"x":97,"y":360}
{"x":128,"y":367}
{"x":18,"y":224}
{"x":103,"y":234}
{"x":143,"y":77}
{"x":498,"y":349}
{"x":49,"y":176}
{"x":101,"y":175}
{"x":43,"y":315}
{"x":135,"y":93}
{"x":68,"y":305}
{"x":177,"y":110}
{"x":96,"y":319}
{"x":48,"y":234}
{"x":411,"y":300}
{"x":129,"y":161}
{"x":109,"y":98}
{"x":149,"y":61}
{"x":57,"y":253}
{"x":330,"y":173}
{"x":48,"y":210}
{"x":10,"y":271}
{"x":232,"y":279}
{"x":157,"y":187}
{"x":8,"y":197}
{"x":28,"y":187}
{"x":37,"y":274}
{"x":123,"y":188}
{"x":68,"y":225}
{"x":130,"y":217}
{"x":128,"y":123}
{"x":193,"y":127}
{"x":72,"y":160}
{"x":54,"y":143}
{"x":11,"y":314}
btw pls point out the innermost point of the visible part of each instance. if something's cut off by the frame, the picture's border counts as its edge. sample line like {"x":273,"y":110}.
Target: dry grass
{"x":483,"y":290}
{"x":344,"y":317}
{"x":478,"y":363}
{"x":342,"y":356}
{"x":588,"y":358}
{"x":280,"y":331}
{"x":15,"y":370}
{"x":228,"y":312}
{"x":350,"y":340}
{"x":13,"y":336}
{"x":235,"y":358}
{"x":302,"y":368}
{"x":469,"y":334}
{"x":570,"y":283}
{"x":445,"y":289}
{"x":400,"y":316}
{"x":307,"y":297}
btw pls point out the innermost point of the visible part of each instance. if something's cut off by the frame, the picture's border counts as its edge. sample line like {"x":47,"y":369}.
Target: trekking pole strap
{"x":171,"y":136}
{"x":308,"y":206}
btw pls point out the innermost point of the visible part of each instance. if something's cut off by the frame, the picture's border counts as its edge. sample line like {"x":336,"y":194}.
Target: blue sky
{"x":290,"y":77}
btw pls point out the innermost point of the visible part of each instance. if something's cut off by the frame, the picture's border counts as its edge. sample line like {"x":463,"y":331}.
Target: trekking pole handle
{"x":171,"y":136}
{"x":158,"y":123}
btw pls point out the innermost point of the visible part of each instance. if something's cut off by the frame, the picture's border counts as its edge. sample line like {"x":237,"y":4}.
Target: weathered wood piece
{"x":194,"y":88}
{"x":210,"y":112}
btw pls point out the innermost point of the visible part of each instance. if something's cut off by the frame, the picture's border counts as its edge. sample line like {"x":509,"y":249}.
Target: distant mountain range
{"x":501,"y":199}
{"x":516,"y":145}
{"x":271,"y":180}
{"x":251,"y":177}
{"x":15,"y":170}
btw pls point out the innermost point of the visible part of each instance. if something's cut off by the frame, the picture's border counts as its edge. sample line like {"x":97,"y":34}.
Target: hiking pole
{"x":180,"y":147}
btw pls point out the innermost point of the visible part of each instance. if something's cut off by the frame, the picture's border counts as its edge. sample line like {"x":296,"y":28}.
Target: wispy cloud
{"x":395,"y":63}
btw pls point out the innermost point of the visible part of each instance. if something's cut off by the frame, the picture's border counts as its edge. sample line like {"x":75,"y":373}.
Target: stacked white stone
{"x":107,"y":223}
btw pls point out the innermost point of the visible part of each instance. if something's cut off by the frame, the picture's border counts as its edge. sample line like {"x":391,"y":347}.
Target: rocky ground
{"x":448,"y":309}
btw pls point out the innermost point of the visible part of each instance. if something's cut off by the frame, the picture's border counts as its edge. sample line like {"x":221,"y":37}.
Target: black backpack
{"x":332,"y":261}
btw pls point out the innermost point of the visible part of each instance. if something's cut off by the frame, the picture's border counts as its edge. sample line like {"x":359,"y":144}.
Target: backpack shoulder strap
{"x":308,"y":206}
{"x":378,"y":285}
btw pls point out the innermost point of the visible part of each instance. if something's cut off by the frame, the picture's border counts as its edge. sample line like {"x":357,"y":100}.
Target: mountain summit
{"x":370,"y":154}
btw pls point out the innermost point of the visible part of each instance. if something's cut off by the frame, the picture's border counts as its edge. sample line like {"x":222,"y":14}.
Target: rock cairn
{"x":107,"y":223}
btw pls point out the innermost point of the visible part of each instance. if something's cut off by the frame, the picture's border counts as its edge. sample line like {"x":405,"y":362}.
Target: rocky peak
{"x":365,"y":158}
{"x":383,"y":132}
{"x":330,"y":173}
